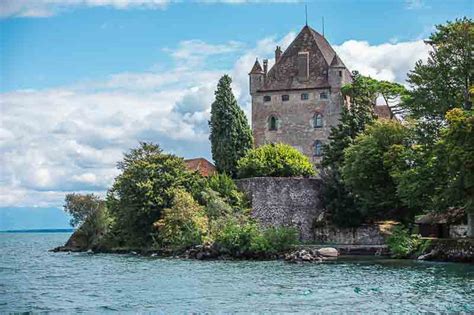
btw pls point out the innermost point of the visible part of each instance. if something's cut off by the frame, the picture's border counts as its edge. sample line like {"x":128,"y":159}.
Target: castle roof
{"x":284,"y":73}
{"x":256,"y":68}
{"x":200,"y":165}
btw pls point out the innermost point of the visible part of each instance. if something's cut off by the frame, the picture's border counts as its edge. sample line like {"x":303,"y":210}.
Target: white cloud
{"x":45,"y":8}
{"x":64,"y":139}
{"x":415,"y":4}
{"x":388,"y":61}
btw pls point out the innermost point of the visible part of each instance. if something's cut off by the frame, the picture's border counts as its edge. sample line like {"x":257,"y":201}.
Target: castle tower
{"x":299,"y":99}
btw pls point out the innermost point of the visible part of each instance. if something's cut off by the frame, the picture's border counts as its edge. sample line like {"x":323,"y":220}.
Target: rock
{"x":427,"y":256}
{"x":328,"y":252}
{"x":89,"y":251}
{"x":302,"y":255}
{"x":154,"y":255}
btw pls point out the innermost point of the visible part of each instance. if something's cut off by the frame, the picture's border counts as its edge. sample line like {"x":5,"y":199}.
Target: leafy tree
{"x":80,"y":207}
{"x":144,"y":188}
{"x":444,"y":81}
{"x":277,"y":160}
{"x":365,"y":172}
{"x":182,"y":225}
{"x":231,"y":135}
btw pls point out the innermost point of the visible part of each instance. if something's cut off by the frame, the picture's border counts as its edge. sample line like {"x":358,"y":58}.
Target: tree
{"x":231,"y":136}
{"x":80,"y":207}
{"x":444,"y":81}
{"x":277,"y":160}
{"x":366,"y":174}
{"x":182,"y":225}
{"x":144,"y":188}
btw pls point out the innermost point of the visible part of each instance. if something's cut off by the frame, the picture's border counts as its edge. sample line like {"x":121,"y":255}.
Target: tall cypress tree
{"x":231,"y":136}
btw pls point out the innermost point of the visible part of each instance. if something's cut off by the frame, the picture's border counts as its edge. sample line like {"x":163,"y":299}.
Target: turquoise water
{"x":33,"y":279}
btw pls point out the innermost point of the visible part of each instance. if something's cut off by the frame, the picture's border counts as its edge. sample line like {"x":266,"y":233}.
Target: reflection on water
{"x":33,"y":279}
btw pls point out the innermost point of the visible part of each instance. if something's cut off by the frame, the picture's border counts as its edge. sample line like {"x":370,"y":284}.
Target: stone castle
{"x":299,"y":99}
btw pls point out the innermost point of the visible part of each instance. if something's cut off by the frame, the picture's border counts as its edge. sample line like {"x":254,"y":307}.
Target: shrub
{"x":277,"y":160}
{"x":184,"y":224}
{"x":226,"y":188}
{"x":402,"y":244}
{"x":249,"y":239}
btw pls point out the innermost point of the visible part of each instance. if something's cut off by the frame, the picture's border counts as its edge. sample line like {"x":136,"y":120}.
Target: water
{"x":33,"y":279}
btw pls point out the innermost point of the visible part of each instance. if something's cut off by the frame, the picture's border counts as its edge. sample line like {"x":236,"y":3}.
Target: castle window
{"x":304,"y":96}
{"x":285,"y":97}
{"x":323,"y":95}
{"x":267,"y":98}
{"x":272,"y":123}
{"x":318,"y":120}
{"x":340,"y":74}
{"x":318,"y":148}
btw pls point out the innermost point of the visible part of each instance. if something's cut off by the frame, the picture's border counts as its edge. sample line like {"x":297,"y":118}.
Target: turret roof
{"x":256,"y":69}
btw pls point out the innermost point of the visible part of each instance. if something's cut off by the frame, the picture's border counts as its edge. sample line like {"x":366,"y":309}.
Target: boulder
{"x":328,"y":252}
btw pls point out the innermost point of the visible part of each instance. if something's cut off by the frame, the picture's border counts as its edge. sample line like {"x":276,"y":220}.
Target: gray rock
{"x":328,"y":252}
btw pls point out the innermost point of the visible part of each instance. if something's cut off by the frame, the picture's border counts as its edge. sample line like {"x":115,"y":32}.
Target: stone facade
{"x":368,"y":234}
{"x":299,"y":99}
{"x":278,"y":201}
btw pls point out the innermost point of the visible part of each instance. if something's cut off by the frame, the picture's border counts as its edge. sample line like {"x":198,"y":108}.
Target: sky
{"x":83,"y":81}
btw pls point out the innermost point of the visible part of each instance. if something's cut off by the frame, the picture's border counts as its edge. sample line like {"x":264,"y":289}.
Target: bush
{"x":226,"y":188}
{"x":277,"y":160}
{"x":184,"y":224}
{"x":402,"y":244}
{"x":248,"y":239}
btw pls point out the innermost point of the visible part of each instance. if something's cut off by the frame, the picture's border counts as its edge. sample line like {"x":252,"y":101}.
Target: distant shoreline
{"x":68,"y":230}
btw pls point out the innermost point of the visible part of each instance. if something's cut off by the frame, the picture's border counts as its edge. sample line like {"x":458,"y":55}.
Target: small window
{"x":285,"y":97}
{"x":323,"y":95}
{"x":318,"y":121}
{"x":267,"y":98}
{"x":340,"y":74}
{"x":304,"y":96}
{"x":272,"y":123}
{"x":318,"y":148}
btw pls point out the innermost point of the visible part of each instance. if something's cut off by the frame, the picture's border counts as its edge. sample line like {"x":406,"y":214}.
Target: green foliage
{"x":248,"y":239}
{"x":182,"y":225}
{"x":231,"y":135}
{"x":365,"y":172}
{"x":443,"y":82}
{"x":80,"y":207}
{"x":402,"y":244}
{"x":144,"y":188}
{"x":277,"y":160}
{"x":226,"y":188}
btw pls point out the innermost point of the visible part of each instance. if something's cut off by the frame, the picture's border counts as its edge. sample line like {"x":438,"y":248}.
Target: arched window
{"x":318,"y":120}
{"x":318,"y":148}
{"x":272,"y":123}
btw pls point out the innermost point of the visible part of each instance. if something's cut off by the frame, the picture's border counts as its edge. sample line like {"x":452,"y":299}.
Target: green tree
{"x":444,"y":81}
{"x":80,"y":207}
{"x":231,"y":136}
{"x":277,"y":160}
{"x":144,"y":188}
{"x":182,"y":225}
{"x":366,"y":174}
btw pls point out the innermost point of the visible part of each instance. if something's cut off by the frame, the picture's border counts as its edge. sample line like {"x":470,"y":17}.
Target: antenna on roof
{"x":323,"y":26}
{"x":306,"y":13}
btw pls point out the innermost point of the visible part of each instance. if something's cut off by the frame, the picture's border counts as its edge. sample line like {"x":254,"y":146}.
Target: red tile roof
{"x":201,"y":165}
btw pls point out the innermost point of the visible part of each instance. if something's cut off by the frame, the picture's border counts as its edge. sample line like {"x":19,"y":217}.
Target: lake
{"x":33,"y":279}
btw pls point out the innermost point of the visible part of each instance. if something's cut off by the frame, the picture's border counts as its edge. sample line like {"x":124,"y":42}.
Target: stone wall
{"x":458,"y":231}
{"x":363,"y":235}
{"x":280,"y":201}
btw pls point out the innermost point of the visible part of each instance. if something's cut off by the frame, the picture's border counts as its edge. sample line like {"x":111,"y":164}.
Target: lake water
{"x":33,"y":279}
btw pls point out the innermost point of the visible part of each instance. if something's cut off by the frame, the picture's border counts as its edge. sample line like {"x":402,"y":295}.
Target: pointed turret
{"x":256,"y":77}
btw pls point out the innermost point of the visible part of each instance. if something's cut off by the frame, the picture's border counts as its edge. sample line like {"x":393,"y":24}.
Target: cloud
{"x":46,"y":8}
{"x":415,"y":4}
{"x":388,"y":61}
{"x":66,"y":139}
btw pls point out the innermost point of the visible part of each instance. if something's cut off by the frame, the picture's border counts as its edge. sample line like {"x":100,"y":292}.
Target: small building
{"x":202,"y":166}
{"x":448,"y":224}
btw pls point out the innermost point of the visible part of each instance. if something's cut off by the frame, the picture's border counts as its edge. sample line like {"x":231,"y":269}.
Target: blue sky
{"x":83,"y":81}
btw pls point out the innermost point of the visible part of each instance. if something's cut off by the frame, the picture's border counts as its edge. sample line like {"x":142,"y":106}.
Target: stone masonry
{"x":299,"y":99}
{"x":278,"y":201}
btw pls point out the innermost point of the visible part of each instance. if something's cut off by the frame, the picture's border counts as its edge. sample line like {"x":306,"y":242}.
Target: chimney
{"x":277,"y":54}
{"x":265,"y":66}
